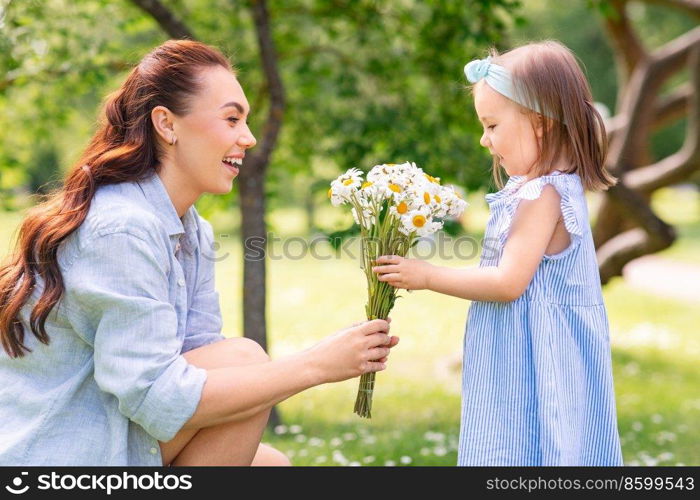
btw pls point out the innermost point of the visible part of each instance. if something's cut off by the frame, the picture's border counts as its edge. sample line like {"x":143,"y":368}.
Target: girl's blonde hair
{"x":549,"y":76}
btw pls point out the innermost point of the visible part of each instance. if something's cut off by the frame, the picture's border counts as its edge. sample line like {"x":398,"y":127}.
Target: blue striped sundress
{"x":537,"y":386}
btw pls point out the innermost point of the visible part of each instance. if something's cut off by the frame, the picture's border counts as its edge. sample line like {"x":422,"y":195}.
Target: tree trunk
{"x":626,"y":226}
{"x":252,"y":175}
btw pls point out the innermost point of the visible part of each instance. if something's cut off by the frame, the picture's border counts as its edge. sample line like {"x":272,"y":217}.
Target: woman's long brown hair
{"x":123,"y":149}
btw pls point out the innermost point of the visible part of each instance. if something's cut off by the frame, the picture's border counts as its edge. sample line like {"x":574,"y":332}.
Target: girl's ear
{"x":539,"y":124}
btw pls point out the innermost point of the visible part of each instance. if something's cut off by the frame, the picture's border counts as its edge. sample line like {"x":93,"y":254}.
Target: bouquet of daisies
{"x":394,"y":206}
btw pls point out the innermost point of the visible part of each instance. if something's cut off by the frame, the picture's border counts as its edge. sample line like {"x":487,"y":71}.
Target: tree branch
{"x":670,"y":107}
{"x":682,"y":164}
{"x":639,"y":100}
{"x":653,"y":235}
{"x":273,"y":123}
{"x":165,"y":18}
{"x":628,"y":49}
{"x":691,"y":7}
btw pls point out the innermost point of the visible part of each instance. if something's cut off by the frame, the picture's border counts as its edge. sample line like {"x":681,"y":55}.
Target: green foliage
{"x":58,"y":59}
{"x":366,"y":81}
{"x":579,"y":25}
{"x":580,"y":28}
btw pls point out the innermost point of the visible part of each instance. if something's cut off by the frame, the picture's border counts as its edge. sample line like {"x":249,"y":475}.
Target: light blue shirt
{"x":113,"y":382}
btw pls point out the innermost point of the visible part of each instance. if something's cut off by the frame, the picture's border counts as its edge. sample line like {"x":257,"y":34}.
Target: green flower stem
{"x":381,"y":238}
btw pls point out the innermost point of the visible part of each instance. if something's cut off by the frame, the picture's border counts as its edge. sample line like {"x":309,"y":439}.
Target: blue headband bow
{"x":500,"y":80}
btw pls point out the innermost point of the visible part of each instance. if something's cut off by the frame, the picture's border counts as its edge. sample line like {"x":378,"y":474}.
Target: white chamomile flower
{"x":400,"y":209}
{"x":344,"y":186}
{"x":376,"y":191}
{"x":418,"y":221}
{"x":454,"y":202}
{"x":426,"y":194}
{"x":397,"y":177}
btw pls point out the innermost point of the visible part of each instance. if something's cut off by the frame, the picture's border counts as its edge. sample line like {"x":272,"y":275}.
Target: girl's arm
{"x":530,"y":233}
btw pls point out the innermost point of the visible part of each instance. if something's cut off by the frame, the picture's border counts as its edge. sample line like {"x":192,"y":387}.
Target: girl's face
{"x":212,"y":138}
{"x":508,"y":132}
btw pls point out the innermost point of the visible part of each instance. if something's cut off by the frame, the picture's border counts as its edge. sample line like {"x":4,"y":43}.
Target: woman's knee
{"x":270,"y":457}
{"x":250,"y":351}
{"x":239,"y":351}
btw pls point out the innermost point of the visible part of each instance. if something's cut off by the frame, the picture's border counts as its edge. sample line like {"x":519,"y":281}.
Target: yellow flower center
{"x":434,"y":180}
{"x":347,"y":182}
{"x":402,"y":208}
{"x":438,"y":199}
{"x":426,"y":198}
{"x":395,"y":188}
{"x":419,"y":221}
{"x":366,"y":184}
{"x":330,"y":192}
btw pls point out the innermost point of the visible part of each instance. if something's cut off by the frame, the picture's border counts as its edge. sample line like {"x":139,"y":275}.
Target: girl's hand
{"x":353,"y":351}
{"x":399,"y":272}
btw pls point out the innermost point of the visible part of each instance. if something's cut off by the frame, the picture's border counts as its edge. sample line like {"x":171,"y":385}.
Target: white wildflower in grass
{"x":369,"y":440}
{"x":389,"y":463}
{"x":339,"y":458}
{"x":321,"y":459}
{"x":335,"y":442}
{"x":440,"y":451}
{"x":395,"y":205}
{"x":665,"y":437}
{"x":280,"y":429}
{"x":368,"y":459}
{"x":406,"y":460}
{"x":295,"y":429}
{"x":438,"y":437}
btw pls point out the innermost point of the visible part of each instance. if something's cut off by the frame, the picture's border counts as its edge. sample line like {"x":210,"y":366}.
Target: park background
{"x":338,"y":84}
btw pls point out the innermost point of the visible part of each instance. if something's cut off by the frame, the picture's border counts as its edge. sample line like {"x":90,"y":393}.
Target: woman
{"x":113,"y":271}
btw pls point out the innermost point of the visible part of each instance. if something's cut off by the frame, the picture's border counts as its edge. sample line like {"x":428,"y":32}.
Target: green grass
{"x":416,"y":404}
{"x":681,"y":207}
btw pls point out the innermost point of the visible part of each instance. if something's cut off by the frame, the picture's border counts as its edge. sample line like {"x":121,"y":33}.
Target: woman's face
{"x":508,"y":132}
{"x":212,"y":138}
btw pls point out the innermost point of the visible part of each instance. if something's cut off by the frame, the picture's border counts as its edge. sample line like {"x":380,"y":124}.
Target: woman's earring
{"x":173,"y":139}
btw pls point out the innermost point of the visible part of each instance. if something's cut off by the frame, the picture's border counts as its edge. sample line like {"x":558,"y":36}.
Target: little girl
{"x":537,"y":377}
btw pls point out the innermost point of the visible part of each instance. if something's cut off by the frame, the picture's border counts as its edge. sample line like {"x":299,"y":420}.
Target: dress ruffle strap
{"x":567,"y":185}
